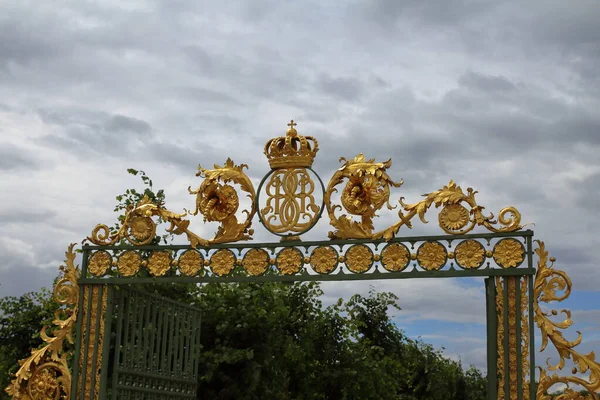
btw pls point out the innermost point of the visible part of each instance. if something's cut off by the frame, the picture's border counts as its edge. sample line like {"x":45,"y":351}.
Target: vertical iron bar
{"x":107,"y":339}
{"x":506,"y":339}
{"x":532,"y":381}
{"x":166,"y":330}
{"x":154,"y":335}
{"x":118,"y":351}
{"x":97,"y":349}
{"x":136,"y":331}
{"x":88,"y":288}
{"x":531,"y":316}
{"x":182,"y":337}
{"x":126,"y":347}
{"x":146,"y":326}
{"x":492,"y":337}
{"x":518,"y":334}
{"x":159,"y":337}
{"x":175,"y":342}
{"x":77,"y":352}
{"x":198,"y":346}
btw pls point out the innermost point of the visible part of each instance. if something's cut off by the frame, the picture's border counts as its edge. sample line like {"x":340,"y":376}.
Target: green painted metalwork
{"x":153,"y":351}
{"x":530,"y":283}
{"x":305,"y":271}
{"x":89,"y":349}
{"x":492,"y":349}
{"x":156,"y":348}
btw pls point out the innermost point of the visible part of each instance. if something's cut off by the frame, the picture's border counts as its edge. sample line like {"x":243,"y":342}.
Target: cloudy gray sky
{"x":500,"y":96}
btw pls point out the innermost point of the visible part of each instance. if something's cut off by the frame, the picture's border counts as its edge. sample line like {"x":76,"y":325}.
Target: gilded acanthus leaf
{"x":368,"y":189}
{"x":547,"y":282}
{"x":216,"y":200}
{"x":47,"y":368}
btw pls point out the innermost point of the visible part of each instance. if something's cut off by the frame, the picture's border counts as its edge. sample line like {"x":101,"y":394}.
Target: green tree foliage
{"x":277,"y":341}
{"x":20,"y":321}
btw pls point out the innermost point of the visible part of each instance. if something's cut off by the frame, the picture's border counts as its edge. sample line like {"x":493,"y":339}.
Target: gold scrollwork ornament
{"x":455,"y":219}
{"x":216,"y":200}
{"x":366,"y":191}
{"x":45,"y":373}
{"x":547,"y":282}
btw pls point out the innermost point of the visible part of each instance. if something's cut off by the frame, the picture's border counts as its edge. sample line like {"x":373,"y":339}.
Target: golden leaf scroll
{"x":548,"y":282}
{"x":45,"y":374}
{"x":216,"y":200}
{"x":368,"y":188}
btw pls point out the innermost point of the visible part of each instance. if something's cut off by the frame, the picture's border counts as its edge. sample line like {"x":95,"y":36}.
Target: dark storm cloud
{"x":15,"y":158}
{"x":20,"y":41}
{"x":16,"y":280}
{"x":203,"y":95}
{"x":87,"y":131}
{"x":348,"y":89}
{"x":26,"y":216}
{"x":451,"y":12}
{"x":185,"y":157}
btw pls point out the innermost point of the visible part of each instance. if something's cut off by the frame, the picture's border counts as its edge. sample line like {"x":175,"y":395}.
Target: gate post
{"x":510,"y":318}
{"x":91,"y":352}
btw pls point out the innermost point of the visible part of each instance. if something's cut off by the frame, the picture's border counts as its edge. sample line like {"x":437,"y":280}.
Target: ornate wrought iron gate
{"x":515,"y":286}
{"x":157,"y":343}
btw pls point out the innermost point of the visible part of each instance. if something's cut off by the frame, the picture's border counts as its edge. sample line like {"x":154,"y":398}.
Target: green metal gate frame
{"x":514,"y":287}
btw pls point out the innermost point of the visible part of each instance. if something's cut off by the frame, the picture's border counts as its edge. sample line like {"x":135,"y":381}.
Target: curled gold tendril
{"x":547,"y":282}
{"x":368,"y":189}
{"x":216,"y":200}
{"x":45,"y":374}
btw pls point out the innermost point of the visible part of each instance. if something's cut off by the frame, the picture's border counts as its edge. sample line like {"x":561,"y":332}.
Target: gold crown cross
{"x":292,"y":131}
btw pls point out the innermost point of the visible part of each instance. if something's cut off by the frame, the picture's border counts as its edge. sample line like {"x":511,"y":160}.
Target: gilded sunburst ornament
{"x":159,"y":263}
{"x":141,"y":230}
{"x":395,"y":257}
{"x":256,"y":262}
{"x":99,"y":263}
{"x":222,"y":262}
{"x":359,"y":258}
{"x":432,"y":255}
{"x":44,"y":385}
{"x":509,"y":253}
{"x":454,"y":217}
{"x":129,"y":263}
{"x":470,"y":254}
{"x":324,"y":259}
{"x":190,"y":262}
{"x":289,"y":261}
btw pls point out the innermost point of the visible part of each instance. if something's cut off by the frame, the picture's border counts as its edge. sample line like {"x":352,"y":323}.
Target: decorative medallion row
{"x":323,"y":259}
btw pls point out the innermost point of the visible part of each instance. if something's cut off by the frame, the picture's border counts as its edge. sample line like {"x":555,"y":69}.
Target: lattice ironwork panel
{"x":156,"y":348}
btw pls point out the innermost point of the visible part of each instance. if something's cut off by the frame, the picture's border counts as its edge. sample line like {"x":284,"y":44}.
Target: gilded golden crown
{"x":291,"y":150}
